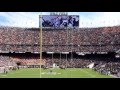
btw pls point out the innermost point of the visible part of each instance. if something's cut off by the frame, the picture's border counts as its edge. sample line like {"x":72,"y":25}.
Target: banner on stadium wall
{"x":60,"y":21}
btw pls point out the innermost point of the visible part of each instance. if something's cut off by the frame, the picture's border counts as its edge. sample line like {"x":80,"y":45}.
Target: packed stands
{"x":77,"y":40}
{"x":20,"y":41}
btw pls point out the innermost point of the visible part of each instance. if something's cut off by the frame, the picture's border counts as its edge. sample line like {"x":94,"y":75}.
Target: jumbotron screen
{"x":60,"y":21}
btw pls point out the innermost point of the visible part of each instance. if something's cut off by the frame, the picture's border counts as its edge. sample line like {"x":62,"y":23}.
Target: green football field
{"x":56,"y":73}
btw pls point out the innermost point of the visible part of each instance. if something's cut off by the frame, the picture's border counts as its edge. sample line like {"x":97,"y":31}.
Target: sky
{"x":87,"y":19}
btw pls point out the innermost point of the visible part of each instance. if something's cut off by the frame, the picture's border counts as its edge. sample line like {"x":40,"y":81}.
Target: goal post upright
{"x":40,"y":23}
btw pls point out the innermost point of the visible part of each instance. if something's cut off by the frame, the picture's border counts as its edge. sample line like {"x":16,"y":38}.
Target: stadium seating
{"x":104,"y":39}
{"x":22,"y":40}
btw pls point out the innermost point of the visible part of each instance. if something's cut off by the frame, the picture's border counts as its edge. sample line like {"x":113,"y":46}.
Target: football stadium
{"x":84,"y":52}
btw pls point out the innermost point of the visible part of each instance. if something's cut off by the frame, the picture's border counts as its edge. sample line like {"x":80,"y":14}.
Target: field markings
{"x":57,"y":73}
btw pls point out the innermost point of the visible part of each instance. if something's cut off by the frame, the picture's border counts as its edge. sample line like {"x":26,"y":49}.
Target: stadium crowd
{"x":104,"y":39}
{"x":82,"y":40}
{"x":106,"y":67}
{"x":6,"y":61}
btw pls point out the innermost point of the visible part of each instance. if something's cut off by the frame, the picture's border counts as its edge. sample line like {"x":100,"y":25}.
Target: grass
{"x":56,"y":73}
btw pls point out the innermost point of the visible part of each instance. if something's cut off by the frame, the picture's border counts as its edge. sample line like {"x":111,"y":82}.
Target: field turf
{"x":55,"y":73}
